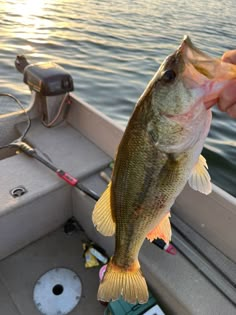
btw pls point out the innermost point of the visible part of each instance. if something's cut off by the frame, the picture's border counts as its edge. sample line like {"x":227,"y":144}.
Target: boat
{"x":45,"y":215}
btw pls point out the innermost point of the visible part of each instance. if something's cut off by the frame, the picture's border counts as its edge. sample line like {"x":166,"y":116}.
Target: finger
{"x":228,"y":96}
{"x":232,"y":111}
{"x":211,"y":103}
{"x":229,"y":56}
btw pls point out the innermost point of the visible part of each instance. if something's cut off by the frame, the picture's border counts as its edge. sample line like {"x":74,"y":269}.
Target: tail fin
{"x":117,"y":282}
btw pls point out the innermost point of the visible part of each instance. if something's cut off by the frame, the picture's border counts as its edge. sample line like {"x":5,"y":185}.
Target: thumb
{"x":229,"y":56}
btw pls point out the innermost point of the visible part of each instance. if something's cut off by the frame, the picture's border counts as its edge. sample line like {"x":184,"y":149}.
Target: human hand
{"x":227,"y":98}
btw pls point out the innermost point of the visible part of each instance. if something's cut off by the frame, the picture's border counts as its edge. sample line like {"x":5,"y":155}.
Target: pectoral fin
{"x":102,"y":214}
{"x":162,"y":230}
{"x":200,"y":179}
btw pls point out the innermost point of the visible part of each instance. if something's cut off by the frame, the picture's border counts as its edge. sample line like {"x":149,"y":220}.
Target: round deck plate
{"x":57,"y":292}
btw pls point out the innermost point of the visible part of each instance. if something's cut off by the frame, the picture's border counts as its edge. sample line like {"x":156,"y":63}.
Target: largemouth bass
{"x":159,"y":152}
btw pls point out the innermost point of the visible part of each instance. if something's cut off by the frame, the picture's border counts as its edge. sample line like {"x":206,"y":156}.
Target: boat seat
{"x":47,"y":203}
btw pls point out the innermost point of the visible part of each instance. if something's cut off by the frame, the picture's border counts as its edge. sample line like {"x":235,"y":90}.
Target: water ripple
{"x":112,"y":49}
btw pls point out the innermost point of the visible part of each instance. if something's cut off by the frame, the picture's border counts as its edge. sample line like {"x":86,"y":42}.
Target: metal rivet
{"x":18,"y":191}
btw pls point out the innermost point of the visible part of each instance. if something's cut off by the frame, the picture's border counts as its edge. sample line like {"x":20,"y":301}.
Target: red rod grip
{"x":67,"y":178}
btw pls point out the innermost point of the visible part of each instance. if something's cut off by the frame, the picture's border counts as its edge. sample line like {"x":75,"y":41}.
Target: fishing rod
{"x":69,"y":179}
{"x":31,"y":152}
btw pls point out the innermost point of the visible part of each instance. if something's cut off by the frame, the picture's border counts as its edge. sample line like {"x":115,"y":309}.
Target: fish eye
{"x":168,"y":76}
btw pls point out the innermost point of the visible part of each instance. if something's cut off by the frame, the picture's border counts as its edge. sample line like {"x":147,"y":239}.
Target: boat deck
{"x":32,"y":240}
{"x":20,"y":271}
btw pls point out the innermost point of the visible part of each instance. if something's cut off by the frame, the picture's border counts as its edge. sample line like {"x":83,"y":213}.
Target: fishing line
{"x":66,"y":100}
{"x":30,"y":151}
{"x":21,"y":138}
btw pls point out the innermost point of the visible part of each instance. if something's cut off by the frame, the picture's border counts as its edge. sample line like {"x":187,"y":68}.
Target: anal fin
{"x":162,"y":230}
{"x":102,"y":214}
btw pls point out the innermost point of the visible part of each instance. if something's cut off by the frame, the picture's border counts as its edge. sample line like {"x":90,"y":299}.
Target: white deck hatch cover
{"x":57,"y":292}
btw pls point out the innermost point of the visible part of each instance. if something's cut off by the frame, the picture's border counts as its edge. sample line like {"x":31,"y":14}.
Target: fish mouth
{"x":208,"y":74}
{"x":211,"y":67}
{"x":204,"y":77}
{"x":192,"y":65}
{"x":202,"y":63}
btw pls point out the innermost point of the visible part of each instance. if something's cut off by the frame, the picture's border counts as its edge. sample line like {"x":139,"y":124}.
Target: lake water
{"x":113,"y":48}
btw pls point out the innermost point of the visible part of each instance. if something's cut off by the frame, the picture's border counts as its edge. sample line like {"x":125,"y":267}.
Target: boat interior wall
{"x":32,"y":220}
{"x":212,"y":216}
{"x":179,"y":285}
{"x":101,"y":130}
{"x":47,"y":202}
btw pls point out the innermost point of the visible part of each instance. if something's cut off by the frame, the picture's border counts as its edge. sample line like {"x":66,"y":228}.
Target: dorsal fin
{"x":200,"y":179}
{"x":102,"y":217}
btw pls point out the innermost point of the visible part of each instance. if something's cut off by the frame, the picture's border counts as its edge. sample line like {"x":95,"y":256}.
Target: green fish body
{"x":158,"y":154}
